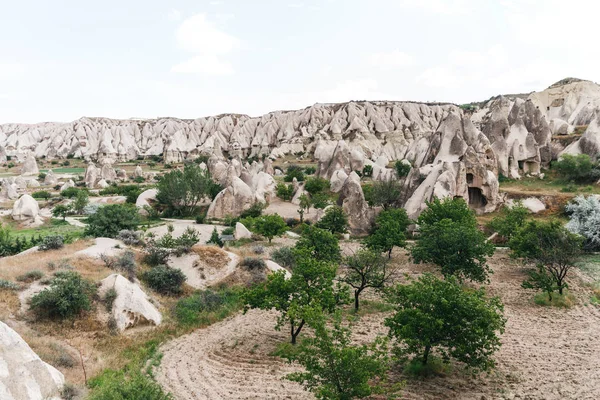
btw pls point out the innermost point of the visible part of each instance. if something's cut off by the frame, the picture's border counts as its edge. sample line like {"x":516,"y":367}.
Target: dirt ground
{"x":546,"y":353}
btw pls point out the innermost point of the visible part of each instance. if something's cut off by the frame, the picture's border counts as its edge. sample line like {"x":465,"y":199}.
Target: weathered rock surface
{"x":23,"y":375}
{"x":131,"y":307}
{"x":241,"y":232}
{"x":145,"y":198}
{"x":352,"y":200}
{"x":30,"y":166}
{"x":26,"y":209}
{"x":51,"y":179}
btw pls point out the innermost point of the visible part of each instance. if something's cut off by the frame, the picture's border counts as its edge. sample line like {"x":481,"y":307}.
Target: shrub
{"x":230,"y":230}
{"x":215,"y":238}
{"x":310,"y":170}
{"x":111,"y":219}
{"x":316,"y":185}
{"x":578,"y":168}
{"x":41,"y":194}
{"x":367,"y":171}
{"x":511,"y":219}
{"x":30,"y":276}
{"x":129,"y":237}
{"x":285,"y":192}
{"x":284,"y":256}
{"x":320,"y":200}
{"x":402,"y":168}
{"x":109,"y":298}
{"x":52,"y":242}
{"x":8,"y":285}
{"x":389,"y":231}
{"x":258,"y":249}
{"x":180,"y":191}
{"x":334,"y":220}
{"x":131,"y":192}
{"x":165,"y":280}
{"x":61,"y":210}
{"x":253,"y":263}
{"x":118,"y":386}
{"x":69,"y":295}
{"x":207,"y":306}
{"x":294,"y":171}
{"x":584,"y":214}
{"x":155,"y":255}
{"x":386,"y":193}
{"x":81,"y":201}
{"x":124,"y":263}
{"x":139,"y":179}
{"x":254,"y":211}
{"x":41,"y":176}
{"x":200,"y":218}
{"x":70,"y":192}
{"x":270,"y":226}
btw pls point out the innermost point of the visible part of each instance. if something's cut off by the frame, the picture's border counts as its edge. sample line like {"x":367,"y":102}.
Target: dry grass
{"x":9,"y":303}
{"x":212,"y":255}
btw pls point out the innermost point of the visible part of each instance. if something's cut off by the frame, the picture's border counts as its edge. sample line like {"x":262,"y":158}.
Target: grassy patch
{"x":52,"y":227}
{"x":566,"y":300}
{"x":435,"y":367}
{"x":590,"y":265}
{"x":65,"y":170}
{"x":373,"y":307}
{"x":207,"y":307}
{"x":285,"y":350}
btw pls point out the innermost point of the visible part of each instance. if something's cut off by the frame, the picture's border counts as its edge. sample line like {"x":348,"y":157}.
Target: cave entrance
{"x":476,"y":198}
{"x":470,"y":179}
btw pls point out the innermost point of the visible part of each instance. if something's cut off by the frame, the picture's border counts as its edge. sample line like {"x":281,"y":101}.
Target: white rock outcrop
{"x":132,"y":306}
{"x":241,"y":232}
{"x":26,"y":209}
{"x":50,"y":179}
{"x":145,"y":198}
{"x":23,"y":375}
{"x":30,"y":166}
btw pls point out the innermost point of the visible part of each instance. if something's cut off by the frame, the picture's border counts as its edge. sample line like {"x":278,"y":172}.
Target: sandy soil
{"x":180,"y":225}
{"x":288,"y":210}
{"x":547,"y":353}
{"x":201,"y":274}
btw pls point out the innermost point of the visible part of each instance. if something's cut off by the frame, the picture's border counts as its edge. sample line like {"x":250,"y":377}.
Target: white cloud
{"x":391,"y":60}
{"x":174,"y":15}
{"x":201,"y":37}
{"x":11,"y":71}
{"x":449,"y":7}
{"x":439,"y":77}
{"x":296,"y":5}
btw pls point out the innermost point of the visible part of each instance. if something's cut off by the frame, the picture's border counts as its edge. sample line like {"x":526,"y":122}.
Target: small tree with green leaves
{"x":215,"y":238}
{"x":314,"y":185}
{"x":366,"y":269}
{"x":61,"y":211}
{"x":402,"y":168}
{"x":510,"y":221}
{"x":335,"y":369}
{"x":294,"y":171}
{"x":180,"y":191}
{"x":68,"y":296}
{"x":310,"y":287}
{"x":270,"y":226}
{"x":579,"y":168}
{"x":334,"y":220}
{"x":540,"y":279}
{"x":550,"y":245}
{"x":81,"y":200}
{"x":320,"y":200}
{"x":433,"y":314}
{"x":388,"y":231}
{"x":305,"y":204}
{"x":450,"y":239}
{"x":320,"y":244}
{"x":284,"y":191}
{"x":386,"y":193}
{"x":109,"y":220}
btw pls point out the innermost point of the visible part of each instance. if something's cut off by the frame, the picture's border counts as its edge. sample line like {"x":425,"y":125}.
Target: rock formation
{"x":234,"y":199}
{"x":8,"y":190}
{"x":131,"y":307}
{"x":241,"y":232}
{"x":50,"y":179}
{"x":30,"y":166}
{"x":23,"y":375}
{"x":145,"y":198}
{"x":26,"y":209}
{"x":352,"y":200}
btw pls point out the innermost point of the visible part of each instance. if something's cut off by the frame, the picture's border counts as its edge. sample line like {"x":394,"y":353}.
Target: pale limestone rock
{"x":232,"y":200}
{"x":131,"y":307}
{"x":26,"y":209}
{"x":23,"y":375}
{"x":241,"y":232}
{"x":51,"y":179}
{"x":139,"y":172}
{"x":337,"y":180}
{"x":102,"y":184}
{"x":8,"y":191}
{"x":92,"y":174}
{"x":108,"y":173}
{"x":145,"y":198}
{"x":264,"y":186}
{"x":30,"y":166}
{"x":352,"y":200}
{"x":68,"y":184}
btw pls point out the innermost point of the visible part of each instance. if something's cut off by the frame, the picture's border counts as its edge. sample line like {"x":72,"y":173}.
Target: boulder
{"x":139,"y":172}
{"x":3,"y":156}
{"x":533,"y":204}
{"x":337,"y":180}
{"x":51,"y":179}
{"x":102,"y":184}
{"x":33,"y":183}
{"x":264,"y":187}
{"x":8,"y":190}
{"x":23,"y":374}
{"x":232,"y":200}
{"x":352,"y":200}
{"x":30,"y":166}
{"x":132,"y":306}
{"x":68,"y":184}
{"x":241,"y":232}
{"x":145,"y":198}
{"x":108,"y":173}
{"x":26,"y":209}
{"x":91,"y":175}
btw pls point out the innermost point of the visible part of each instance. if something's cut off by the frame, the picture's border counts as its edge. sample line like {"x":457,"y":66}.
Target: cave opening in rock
{"x":476,"y":198}
{"x":469,"y":179}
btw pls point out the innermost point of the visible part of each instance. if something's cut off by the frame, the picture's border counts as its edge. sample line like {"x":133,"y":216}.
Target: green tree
{"x":320,"y":243}
{"x":540,"y":279}
{"x":285,"y":192}
{"x":180,"y":191}
{"x":314,"y":185}
{"x":334,"y":220}
{"x":61,"y":210}
{"x":305,"y":204}
{"x":366,"y":269}
{"x":109,"y":220}
{"x":389,"y":231}
{"x":367,"y":171}
{"x":270,"y":226}
{"x":402,"y":168}
{"x":550,"y":245}
{"x":68,"y":295}
{"x":294,"y":171}
{"x":215,"y":238}
{"x":510,"y":221}
{"x":81,"y":200}
{"x":310,"y":287}
{"x":320,"y":200}
{"x":579,"y":168}
{"x":450,"y":239}
{"x":386,"y":193}
{"x":433,"y":314}
{"x":334,"y":368}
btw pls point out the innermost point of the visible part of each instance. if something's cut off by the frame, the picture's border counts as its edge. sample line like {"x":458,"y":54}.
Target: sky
{"x":64,"y":59}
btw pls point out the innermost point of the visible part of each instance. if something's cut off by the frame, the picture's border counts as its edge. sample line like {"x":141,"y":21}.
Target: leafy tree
{"x":164,"y":279}
{"x":386,"y":193}
{"x":584,"y":214}
{"x":310,"y":287}
{"x":449,"y":238}
{"x":68,"y":295}
{"x":254,"y":211}
{"x":433,"y":314}
{"x":294,"y":171}
{"x":334,"y":368}
{"x":316,"y":185}
{"x":334,"y":220}
{"x":320,"y":200}
{"x":550,"y":245}
{"x":305,"y":204}
{"x":69,"y":193}
{"x":180,"y":191}
{"x":109,"y":220}
{"x":320,"y":243}
{"x":511,"y":220}
{"x":285,"y":192}
{"x":367,"y":171}
{"x":540,"y":279}
{"x":61,"y":210}
{"x":215,"y":238}
{"x":81,"y":200}
{"x":402,"y":168}
{"x":366,"y":269}
{"x":579,"y":168}
{"x":270,"y":226}
{"x":389,"y":231}
{"x":41,"y":194}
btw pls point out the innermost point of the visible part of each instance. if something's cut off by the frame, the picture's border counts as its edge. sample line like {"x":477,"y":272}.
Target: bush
{"x":207,"y":306}
{"x":117,"y":386}
{"x":385,"y":193}
{"x":316,"y":185}
{"x":122,"y":263}
{"x":511,"y":219}
{"x":155,"y":255}
{"x":200,"y":218}
{"x":109,"y":298}
{"x":258,"y":249}
{"x":310,"y":170}
{"x":68,"y":296}
{"x":367,"y":171}
{"x":129,"y":237}
{"x":230,"y":230}
{"x":284,"y":256}
{"x":8,"y":285}
{"x":30,"y":276}
{"x":253,"y":263}
{"x":215,"y":238}
{"x":41,"y":194}
{"x":52,"y":242}
{"x":321,"y":244}
{"x":165,"y":280}
{"x":285,"y":192}
{"x":254,"y":211}
{"x":131,"y":192}
{"x":294,"y":171}
{"x":578,"y":168}
{"x":111,"y":219}
{"x":402,"y":169}
{"x":584,"y":214}
{"x":70,"y":192}
{"x":334,"y":220}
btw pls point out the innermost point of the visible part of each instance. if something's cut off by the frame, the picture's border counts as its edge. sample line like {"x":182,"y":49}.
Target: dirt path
{"x":547,"y":353}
